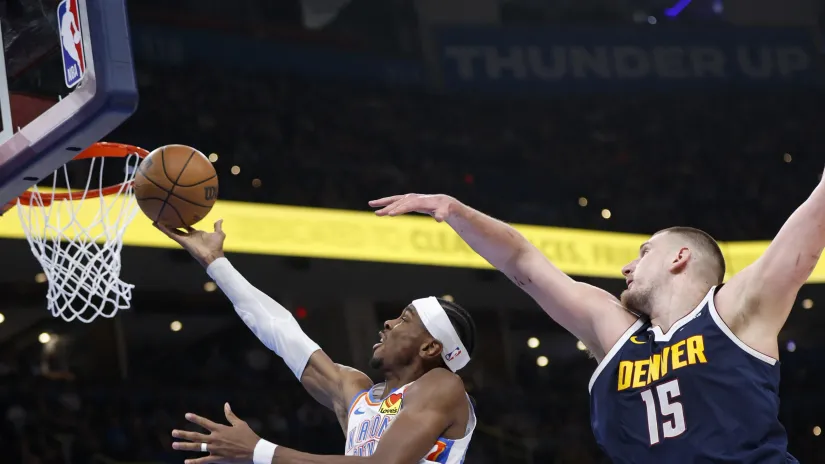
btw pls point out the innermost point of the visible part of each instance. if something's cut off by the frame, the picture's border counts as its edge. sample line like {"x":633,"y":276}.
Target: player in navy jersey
{"x":688,"y":368}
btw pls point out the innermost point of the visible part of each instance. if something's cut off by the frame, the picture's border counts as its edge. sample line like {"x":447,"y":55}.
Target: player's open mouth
{"x":380,"y":342}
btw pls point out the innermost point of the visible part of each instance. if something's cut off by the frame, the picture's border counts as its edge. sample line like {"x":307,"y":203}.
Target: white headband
{"x":435,"y":319}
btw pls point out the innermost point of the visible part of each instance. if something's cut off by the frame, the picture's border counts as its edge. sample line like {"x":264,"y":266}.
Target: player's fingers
{"x":191,"y":436}
{"x":407,"y":206}
{"x":383,"y":211}
{"x":386,"y":209}
{"x":205,"y":460}
{"x":202,"y":421}
{"x":186,"y":446}
{"x":219,"y":226}
{"x":385,"y":201}
{"x":230,"y":416}
{"x":400,"y":200}
{"x":174,"y":234}
{"x":440,"y":214}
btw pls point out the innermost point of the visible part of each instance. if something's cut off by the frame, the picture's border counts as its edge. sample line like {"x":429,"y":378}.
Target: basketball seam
{"x":172,"y":207}
{"x":166,"y":174}
{"x":177,"y":213}
{"x":170,"y":193}
{"x":199,"y":182}
{"x":163,"y":164}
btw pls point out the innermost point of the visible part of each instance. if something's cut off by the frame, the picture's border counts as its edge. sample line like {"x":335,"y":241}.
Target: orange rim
{"x":98,"y":150}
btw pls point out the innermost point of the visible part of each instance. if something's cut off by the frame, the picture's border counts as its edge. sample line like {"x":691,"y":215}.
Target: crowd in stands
{"x":733,"y":163}
{"x":83,"y":415}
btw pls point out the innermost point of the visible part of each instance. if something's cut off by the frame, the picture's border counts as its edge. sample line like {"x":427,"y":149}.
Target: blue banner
{"x":550,"y":60}
{"x":176,"y":46}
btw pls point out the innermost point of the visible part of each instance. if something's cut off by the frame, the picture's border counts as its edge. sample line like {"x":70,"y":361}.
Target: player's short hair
{"x":708,"y":247}
{"x":462,"y":322}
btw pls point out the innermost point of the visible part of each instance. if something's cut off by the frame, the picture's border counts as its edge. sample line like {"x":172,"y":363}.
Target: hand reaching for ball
{"x":205,"y":247}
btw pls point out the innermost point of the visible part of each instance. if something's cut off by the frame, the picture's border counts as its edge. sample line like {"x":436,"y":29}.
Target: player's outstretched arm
{"x":330,"y":384}
{"x":756,"y":302}
{"x":591,"y":314}
{"x":432,"y":405}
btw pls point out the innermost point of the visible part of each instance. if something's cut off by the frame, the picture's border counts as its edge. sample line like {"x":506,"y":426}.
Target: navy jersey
{"x":696,"y":394}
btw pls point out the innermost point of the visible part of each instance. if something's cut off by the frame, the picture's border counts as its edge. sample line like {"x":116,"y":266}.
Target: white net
{"x":78,"y":243}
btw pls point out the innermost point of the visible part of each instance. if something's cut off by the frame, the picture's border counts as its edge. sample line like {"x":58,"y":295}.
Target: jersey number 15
{"x":671,"y":411}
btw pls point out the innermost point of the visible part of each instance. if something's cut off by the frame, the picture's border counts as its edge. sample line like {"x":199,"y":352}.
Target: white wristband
{"x":264,"y":452}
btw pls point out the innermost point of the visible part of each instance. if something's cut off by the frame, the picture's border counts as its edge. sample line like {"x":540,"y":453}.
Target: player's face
{"x":400,"y":341}
{"x":644,"y":273}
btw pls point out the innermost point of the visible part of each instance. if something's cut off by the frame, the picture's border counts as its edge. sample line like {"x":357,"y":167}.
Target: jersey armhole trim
{"x":726,"y":330}
{"x":471,"y":421}
{"x":615,"y":349}
{"x":355,"y":400}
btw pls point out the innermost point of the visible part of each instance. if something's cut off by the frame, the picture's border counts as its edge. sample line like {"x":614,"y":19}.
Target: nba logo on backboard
{"x":71,"y":41}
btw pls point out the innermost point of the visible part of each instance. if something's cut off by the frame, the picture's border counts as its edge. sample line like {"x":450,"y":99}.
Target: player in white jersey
{"x":419,"y":414}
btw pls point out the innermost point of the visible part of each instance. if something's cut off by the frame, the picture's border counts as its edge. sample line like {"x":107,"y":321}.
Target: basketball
{"x":176,"y":186}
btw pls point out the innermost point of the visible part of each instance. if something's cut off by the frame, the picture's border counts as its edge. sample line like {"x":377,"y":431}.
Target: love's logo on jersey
{"x":637,"y":374}
{"x":392,"y":404}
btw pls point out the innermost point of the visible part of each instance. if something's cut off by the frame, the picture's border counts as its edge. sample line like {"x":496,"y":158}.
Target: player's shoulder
{"x":354,"y":379}
{"x":438,"y":385}
{"x":612,"y":324}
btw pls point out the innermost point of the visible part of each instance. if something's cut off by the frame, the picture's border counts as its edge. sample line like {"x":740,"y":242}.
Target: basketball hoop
{"x":78,"y":241}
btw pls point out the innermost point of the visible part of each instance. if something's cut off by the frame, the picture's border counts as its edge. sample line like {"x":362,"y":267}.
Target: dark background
{"x":361,"y":108}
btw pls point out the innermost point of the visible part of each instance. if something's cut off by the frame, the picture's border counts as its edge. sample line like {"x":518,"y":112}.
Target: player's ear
{"x":430,"y":349}
{"x":680,"y":260}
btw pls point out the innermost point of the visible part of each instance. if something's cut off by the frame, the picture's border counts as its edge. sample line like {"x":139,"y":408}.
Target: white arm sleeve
{"x":268,"y":320}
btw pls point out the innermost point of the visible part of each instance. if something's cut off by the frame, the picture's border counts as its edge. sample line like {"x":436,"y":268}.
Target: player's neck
{"x":397,"y":378}
{"x":675,"y":302}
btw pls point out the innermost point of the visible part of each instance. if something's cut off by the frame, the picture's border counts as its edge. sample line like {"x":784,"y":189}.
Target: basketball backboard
{"x":66,"y":80}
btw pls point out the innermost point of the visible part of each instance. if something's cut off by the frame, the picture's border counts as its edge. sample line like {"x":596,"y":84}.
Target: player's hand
{"x":438,"y":206}
{"x":224,"y":443}
{"x":203,"y":246}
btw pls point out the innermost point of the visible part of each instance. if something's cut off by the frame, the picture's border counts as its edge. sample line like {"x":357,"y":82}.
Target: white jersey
{"x":369,"y":418}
